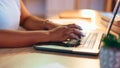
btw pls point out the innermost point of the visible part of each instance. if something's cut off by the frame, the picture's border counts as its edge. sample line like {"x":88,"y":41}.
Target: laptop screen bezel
{"x":115,"y":11}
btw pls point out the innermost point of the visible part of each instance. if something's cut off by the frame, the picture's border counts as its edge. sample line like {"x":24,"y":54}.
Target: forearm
{"x":35,"y":23}
{"x":21,"y":38}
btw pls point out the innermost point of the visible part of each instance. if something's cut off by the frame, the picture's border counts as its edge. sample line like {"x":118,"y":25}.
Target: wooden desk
{"x":91,"y":16}
{"x":30,"y":58}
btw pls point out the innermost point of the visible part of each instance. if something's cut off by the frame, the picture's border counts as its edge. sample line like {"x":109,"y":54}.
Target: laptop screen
{"x":115,"y":12}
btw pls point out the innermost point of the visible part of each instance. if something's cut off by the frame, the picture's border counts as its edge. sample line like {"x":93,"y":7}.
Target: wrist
{"x":50,"y":36}
{"x":40,"y":36}
{"x":50,"y":25}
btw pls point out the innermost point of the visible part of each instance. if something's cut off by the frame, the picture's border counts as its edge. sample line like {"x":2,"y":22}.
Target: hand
{"x":62,"y":33}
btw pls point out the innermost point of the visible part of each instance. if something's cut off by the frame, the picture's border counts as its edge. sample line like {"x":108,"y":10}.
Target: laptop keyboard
{"x":86,"y":42}
{"x":89,"y":40}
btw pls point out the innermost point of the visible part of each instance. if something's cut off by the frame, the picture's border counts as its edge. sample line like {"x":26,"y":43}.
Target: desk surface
{"x":30,"y":58}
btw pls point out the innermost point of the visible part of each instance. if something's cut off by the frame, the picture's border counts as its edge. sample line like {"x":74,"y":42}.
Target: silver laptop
{"x":89,"y":45}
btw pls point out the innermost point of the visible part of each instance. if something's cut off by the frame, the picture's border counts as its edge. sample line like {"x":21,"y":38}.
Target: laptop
{"x":89,"y":45}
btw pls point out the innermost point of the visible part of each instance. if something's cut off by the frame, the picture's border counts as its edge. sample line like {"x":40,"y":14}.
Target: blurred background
{"x":49,"y":8}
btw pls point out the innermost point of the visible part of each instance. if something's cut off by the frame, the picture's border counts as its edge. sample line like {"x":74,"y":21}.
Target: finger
{"x":78,"y":32}
{"x":70,"y":35}
{"x":66,"y":38}
{"x":73,"y":36}
{"x":75,"y":31}
{"x":63,"y":28}
{"x":74,"y":26}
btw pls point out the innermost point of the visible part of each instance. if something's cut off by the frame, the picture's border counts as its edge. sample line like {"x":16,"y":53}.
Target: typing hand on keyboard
{"x":72,"y":43}
{"x":68,"y":43}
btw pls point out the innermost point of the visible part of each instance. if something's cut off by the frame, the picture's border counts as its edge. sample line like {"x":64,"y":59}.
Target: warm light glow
{"x":87,"y":13}
{"x":86,"y":26}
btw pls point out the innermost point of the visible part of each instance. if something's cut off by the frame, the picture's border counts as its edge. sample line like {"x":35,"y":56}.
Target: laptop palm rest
{"x":69,"y":50}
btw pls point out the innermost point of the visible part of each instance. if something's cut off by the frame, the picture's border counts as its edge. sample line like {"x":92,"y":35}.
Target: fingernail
{"x":82,"y":35}
{"x":81,"y":28}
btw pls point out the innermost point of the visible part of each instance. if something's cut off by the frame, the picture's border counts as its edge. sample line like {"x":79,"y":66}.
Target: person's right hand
{"x":62,"y":33}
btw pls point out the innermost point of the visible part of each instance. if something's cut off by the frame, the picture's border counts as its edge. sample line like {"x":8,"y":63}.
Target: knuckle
{"x":73,"y":24}
{"x":65,"y":27}
{"x":72,"y":29}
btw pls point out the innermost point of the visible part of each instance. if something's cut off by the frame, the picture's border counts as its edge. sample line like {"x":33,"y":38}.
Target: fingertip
{"x":80,"y":28}
{"x":83,"y":35}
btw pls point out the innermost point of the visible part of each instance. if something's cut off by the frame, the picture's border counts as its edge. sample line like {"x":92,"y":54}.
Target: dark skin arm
{"x":9,"y":38}
{"x":22,"y":38}
{"x":28,"y":38}
{"x":31,"y":22}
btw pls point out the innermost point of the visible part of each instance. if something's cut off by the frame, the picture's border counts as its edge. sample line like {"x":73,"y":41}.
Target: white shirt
{"x":9,"y":14}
